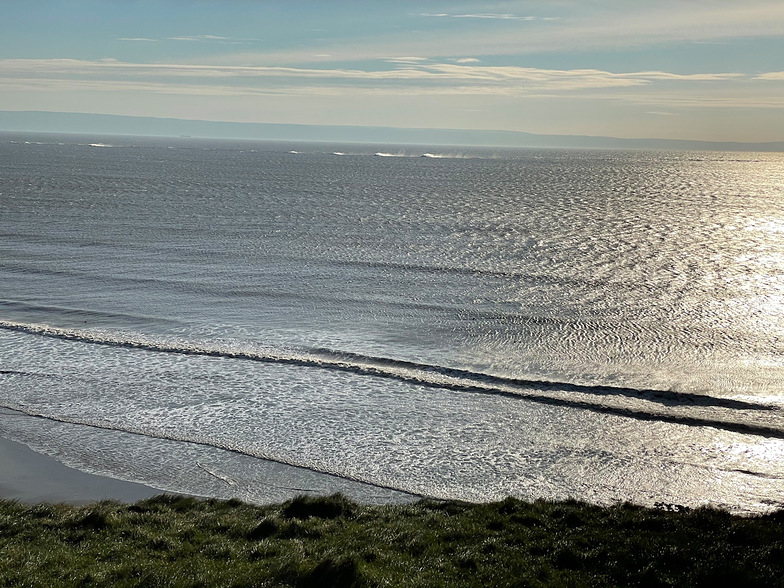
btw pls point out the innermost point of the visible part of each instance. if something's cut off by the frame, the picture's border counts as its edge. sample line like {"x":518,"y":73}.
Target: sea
{"x":260,"y":320}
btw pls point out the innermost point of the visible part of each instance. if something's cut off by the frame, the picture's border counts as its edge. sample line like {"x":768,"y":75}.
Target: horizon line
{"x":508,"y":134}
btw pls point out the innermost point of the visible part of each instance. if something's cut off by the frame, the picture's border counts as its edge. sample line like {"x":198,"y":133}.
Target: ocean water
{"x":261,"y":320}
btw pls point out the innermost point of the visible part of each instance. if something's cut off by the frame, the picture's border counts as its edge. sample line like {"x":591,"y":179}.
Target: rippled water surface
{"x":256,"y":319}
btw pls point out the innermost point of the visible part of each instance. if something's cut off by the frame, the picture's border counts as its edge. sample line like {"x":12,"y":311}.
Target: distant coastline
{"x":104,"y":124}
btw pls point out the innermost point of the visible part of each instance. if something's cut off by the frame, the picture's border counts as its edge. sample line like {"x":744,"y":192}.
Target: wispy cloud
{"x":218,"y":89}
{"x":591,"y":77}
{"x":75,"y":67}
{"x":152,"y":87}
{"x":406,"y":60}
{"x":488,"y":16}
{"x":410,"y":68}
{"x":194,"y":39}
{"x":773,"y":75}
{"x":198,"y":38}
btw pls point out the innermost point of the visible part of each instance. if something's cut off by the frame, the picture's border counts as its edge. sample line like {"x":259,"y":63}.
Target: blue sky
{"x":688,"y":69}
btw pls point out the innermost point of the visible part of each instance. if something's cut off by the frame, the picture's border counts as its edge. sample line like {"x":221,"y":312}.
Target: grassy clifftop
{"x":182,"y":541}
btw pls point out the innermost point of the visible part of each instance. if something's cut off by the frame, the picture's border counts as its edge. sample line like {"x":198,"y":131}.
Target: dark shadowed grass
{"x":330,"y":541}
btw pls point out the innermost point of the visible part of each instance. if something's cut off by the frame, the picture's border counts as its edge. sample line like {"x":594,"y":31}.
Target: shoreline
{"x":31,"y":478}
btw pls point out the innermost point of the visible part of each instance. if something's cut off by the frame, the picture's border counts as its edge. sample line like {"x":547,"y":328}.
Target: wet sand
{"x":30,"y":477}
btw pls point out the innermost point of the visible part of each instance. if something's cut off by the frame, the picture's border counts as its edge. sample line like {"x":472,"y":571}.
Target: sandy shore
{"x":30,"y":477}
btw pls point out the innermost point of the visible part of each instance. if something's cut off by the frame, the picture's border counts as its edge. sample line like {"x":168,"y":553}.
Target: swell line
{"x":78,"y":313}
{"x":434,"y":376}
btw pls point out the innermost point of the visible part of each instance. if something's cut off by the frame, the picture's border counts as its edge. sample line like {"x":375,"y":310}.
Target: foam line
{"x":105,"y":427}
{"x":433,"y":376}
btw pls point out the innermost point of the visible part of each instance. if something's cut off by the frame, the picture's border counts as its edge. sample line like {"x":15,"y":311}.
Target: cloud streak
{"x":409,"y":77}
{"x":489,"y":16}
{"x":409,"y":68}
{"x":193,"y":39}
{"x":198,"y":38}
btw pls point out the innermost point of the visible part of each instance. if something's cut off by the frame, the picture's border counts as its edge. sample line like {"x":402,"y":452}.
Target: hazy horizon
{"x":671,"y":70}
{"x":118,"y":126}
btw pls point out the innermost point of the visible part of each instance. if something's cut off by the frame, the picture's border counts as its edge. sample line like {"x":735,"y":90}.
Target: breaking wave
{"x":647,"y":405}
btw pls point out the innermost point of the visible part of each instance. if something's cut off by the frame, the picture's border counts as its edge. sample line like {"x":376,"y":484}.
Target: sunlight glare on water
{"x":544,"y":323}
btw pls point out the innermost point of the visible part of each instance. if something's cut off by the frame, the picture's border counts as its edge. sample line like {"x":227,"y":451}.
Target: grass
{"x":330,"y":541}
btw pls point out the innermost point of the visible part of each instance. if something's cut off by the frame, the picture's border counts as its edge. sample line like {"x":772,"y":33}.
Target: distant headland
{"x":71,"y":122}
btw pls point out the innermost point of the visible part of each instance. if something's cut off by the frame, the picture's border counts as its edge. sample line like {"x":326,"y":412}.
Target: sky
{"x":682,"y":69}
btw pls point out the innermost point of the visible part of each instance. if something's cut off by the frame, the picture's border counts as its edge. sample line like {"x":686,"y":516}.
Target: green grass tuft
{"x":321,"y":507}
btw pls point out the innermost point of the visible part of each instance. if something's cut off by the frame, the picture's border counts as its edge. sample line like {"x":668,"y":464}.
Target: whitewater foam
{"x":688,"y":409}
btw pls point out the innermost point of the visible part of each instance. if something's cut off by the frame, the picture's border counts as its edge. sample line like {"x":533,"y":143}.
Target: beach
{"x":30,"y":477}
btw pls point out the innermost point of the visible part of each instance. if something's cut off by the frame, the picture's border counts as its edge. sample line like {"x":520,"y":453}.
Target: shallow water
{"x":606,"y":325}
